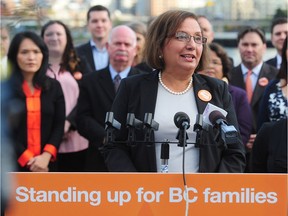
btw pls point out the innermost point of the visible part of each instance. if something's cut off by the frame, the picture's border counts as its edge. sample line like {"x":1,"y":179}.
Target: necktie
{"x":117,"y":80}
{"x":249,"y":87}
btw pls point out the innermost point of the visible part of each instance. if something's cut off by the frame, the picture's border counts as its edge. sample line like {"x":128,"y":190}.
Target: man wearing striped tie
{"x":98,"y":90}
{"x":252,"y":74}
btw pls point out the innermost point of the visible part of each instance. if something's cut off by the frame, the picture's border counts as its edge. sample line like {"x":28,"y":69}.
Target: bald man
{"x":206,"y":27}
{"x":98,"y":90}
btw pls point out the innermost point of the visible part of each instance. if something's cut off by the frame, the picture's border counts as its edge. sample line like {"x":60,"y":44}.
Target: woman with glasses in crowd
{"x":177,"y":50}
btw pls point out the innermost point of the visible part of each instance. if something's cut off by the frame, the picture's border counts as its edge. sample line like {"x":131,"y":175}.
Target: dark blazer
{"x":85,"y":51}
{"x":270,"y":148}
{"x":272,"y":61}
{"x":95,"y":100}
{"x":243,"y":111}
{"x":52,"y":118}
{"x":237,"y":79}
{"x":138,"y":95}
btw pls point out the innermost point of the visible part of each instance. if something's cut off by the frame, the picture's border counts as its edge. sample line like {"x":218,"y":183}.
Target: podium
{"x":147,"y":194}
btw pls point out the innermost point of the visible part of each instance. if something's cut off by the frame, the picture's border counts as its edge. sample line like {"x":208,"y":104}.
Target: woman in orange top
{"x":40,"y":120}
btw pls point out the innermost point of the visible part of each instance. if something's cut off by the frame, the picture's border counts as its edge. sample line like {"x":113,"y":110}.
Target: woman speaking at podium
{"x":176,"y":49}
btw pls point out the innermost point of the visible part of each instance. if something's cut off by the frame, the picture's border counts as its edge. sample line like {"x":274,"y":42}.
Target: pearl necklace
{"x":173,"y":92}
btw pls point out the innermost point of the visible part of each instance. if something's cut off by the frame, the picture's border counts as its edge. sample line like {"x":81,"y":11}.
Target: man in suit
{"x":97,"y":92}
{"x":206,"y":27}
{"x":99,"y":25}
{"x":279,"y":31}
{"x":208,"y":32}
{"x":252,"y":46}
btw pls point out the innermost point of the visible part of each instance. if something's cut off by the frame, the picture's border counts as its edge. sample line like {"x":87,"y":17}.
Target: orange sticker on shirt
{"x":204,"y":95}
{"x":77,"y":75}
{"x":263,"y":81}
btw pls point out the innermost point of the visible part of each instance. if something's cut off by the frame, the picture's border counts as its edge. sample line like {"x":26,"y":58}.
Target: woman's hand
{"x":40,"y":163}
{"x":250,"y":142}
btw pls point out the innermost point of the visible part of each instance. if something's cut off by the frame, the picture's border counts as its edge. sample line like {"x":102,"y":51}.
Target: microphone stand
{"x":198,"y":128}
{"x":149,"y":126}
{"x":182,"y":137}
{"x":164,"y":156}
{"x":111,"y":125}
{"x":132,"y":123}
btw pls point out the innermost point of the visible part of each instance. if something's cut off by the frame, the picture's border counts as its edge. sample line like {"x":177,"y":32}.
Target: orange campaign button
{"x":77,"y":75}
{"x":204,"y":95}
{"x":263,"y":81}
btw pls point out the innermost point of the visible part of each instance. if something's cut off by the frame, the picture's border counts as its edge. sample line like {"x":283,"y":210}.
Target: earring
{"x":160,"y":56}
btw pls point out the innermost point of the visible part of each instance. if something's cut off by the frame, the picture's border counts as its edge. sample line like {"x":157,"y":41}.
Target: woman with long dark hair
{"x":40,"y":121}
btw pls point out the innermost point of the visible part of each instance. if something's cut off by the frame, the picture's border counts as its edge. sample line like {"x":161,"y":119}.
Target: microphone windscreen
{"x":216,"y":115}
{"x":179,"y":118}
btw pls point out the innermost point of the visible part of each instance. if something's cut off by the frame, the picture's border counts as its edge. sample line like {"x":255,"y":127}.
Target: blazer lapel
{"x":147,"y":105}
{"x":107,"y":83}
{"x":259,"y":90}
{"x":89,"y":53}
{"x":148,"y":100}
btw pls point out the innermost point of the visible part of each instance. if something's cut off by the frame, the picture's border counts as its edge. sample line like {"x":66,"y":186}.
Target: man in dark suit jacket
{"x":279,"y":31}
{"x":99,"y":25}
{"x":252,"y":45}
{"x":97,"y":92}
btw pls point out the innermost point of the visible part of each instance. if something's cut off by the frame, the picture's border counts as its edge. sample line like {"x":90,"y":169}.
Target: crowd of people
{"x":63,"y":94}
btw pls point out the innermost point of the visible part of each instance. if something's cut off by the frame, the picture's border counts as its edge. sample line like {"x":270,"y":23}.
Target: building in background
{"x":225,"y":15}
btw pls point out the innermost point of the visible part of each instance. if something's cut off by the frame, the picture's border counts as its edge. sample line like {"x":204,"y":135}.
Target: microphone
{"x":111,"y":122}
{"x":182,"y":120}
{"x":229,"y":134}
{"x":217,"y":117}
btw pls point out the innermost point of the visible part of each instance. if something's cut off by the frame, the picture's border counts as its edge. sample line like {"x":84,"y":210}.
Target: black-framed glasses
{"x":185,"y":37}
{"x":215,"y":62}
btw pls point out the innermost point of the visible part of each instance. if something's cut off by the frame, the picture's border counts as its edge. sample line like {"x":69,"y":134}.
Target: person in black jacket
{"x":176,"y":49}
{"x":99,"y":25}
{"x":252,"y":75}
{"x":269,"y":153}
{"x":279,"y":31}
{"x":273,"y":106}
{"x":98,"y":90}
{"x":40,"y":123}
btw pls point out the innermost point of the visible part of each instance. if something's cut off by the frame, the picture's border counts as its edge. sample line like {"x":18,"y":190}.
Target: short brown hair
{"x":161,"y":28}
{"x":97,"y":8}
{"x":250,"y":29}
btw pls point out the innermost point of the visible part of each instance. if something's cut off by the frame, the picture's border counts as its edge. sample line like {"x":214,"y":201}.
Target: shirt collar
{"x":279,"y":60}
{"x":92,"y":43}
{"x":255,"y":70}
{"x":123,"y":74}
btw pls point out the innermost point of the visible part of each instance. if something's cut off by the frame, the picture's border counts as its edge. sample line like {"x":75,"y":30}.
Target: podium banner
{"x":147,"y":194}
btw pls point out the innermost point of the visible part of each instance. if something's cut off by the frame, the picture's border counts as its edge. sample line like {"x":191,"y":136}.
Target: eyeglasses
{"x":215,"y":62}
{"x":185,"y":37}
